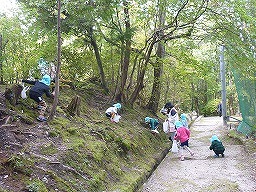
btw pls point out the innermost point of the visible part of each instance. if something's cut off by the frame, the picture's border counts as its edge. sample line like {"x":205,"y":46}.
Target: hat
{"x":147,"y":119}
{"x":168,"y":105}
{"x":46,"y":80}
{"x":214,"y":137}
{"x":178,"y":124}
{"x":117,"y":105}
{"x":183,"y":116}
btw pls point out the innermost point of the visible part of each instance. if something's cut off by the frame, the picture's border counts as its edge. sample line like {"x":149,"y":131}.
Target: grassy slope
{"x":85,"y":153}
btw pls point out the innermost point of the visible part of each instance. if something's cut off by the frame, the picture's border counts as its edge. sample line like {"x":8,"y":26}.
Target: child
{"x":36,"y":93}
{"x":153,"y":123}
{"x":182,"y":135}
{"x":217,"y":146}
{"x":184,"y":120}
{"x":111,"y":112}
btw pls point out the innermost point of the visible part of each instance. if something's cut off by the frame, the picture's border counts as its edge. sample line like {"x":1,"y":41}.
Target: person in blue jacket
{"x":36,"y":92}
{"x":153,"y":123}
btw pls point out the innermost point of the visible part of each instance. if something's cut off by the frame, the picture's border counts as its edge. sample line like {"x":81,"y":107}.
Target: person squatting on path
{"x":153,"y":123}
{"x":111,"y":112}
{"x":217,"y":146}
{"x":173,"y":116}
{"x":182,"y":135}
{"x":36,"y":92}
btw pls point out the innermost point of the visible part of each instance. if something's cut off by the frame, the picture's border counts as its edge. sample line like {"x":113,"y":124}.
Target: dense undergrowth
{"x":78,"y":153}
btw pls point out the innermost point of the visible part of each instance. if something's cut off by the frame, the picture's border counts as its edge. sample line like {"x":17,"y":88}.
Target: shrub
{"x":211,"y":108}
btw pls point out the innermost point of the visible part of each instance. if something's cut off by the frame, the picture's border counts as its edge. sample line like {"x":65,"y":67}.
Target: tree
{"x":120,"y":96}
{"x":177,"y":27}
{"x":81,"y":25}
{"x":56,"y":89}
{"x":158,"y":65}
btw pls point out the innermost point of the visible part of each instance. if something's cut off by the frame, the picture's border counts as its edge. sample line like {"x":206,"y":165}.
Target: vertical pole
{"x":223,"y":86}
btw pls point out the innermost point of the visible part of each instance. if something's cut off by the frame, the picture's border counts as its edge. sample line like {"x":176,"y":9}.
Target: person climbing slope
{"x":153,"y":123}
{"x":36,"y":92}
{"x":112,"y":112}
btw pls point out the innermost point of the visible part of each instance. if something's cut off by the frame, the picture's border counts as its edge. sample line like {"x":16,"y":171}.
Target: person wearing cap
{"x":36,"y":92}
{"x":184,"y":120}
{"x":111,"y":112}
{"x":153,"y":123}
{"x":217,"y":146}
{"x":182,"y":135}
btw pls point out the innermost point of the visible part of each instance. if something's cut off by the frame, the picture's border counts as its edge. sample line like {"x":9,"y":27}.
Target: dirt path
{"x":203,"y":172}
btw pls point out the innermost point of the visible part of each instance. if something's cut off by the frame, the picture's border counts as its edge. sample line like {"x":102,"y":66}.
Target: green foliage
{"x":36,"y":186}
{"x":190,"y":77}
{"x":125,"y":145}
{"x":48,"y":149}
{"x":96,"y":183}
{"x":20,"y":164}
{"x":60,"y":122}
{"x":72,"y":130}
{"x":211,"y":108}
{"x":53,"y":133}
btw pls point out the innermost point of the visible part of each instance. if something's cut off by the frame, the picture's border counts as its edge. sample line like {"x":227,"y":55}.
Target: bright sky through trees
{"x":6,"y":6}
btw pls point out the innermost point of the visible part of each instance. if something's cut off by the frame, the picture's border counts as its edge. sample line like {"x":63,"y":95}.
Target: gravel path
{"x":203,"y":172}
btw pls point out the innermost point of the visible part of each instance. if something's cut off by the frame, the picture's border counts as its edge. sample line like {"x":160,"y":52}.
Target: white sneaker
{"x":154,"y":131}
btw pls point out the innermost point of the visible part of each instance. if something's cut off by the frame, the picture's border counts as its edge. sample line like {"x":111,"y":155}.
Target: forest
{"x":144,"y":52}
{"x":139,"y":53}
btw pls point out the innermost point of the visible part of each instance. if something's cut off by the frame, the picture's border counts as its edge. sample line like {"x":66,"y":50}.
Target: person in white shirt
{"x":172,"y":114}
{"x":111,"y":112}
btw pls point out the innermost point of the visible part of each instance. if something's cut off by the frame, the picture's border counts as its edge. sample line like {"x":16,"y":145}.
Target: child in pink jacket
{"x":182,"y":135}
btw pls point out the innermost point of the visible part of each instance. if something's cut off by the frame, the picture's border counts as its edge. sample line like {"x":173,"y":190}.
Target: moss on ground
{"x":87,"y":152}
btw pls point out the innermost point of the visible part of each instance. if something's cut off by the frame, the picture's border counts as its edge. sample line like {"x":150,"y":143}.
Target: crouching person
{"x":36,"y":92}
{"x":153,"y":123}
{"x":112,"y":112}
{"x":217,"y":146}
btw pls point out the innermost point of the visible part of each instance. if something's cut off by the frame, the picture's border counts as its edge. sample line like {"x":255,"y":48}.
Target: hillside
{"x":76,"y":153}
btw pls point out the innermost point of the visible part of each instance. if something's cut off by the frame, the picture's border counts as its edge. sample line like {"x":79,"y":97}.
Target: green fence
{"x":246,"y":91}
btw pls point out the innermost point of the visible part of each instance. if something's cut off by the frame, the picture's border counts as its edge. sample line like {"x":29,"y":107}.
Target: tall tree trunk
{"x":156,"y":90}
{"x":99,"y":62}
{"x":167,"y":89}
{"x":158,"y":66}
{"x":120,"y":95}
{"x":1,"y":60}
{"x":139,"y":84}
{"x":57,"y":85}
